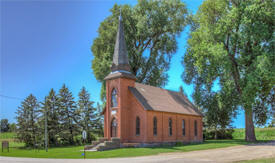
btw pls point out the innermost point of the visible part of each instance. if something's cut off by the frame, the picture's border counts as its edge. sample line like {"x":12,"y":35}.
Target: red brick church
{"x":138,"y":113}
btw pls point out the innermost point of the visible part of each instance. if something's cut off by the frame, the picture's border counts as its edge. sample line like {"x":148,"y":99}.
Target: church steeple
{"x":120,"y":63}
{"x":120,"y":57}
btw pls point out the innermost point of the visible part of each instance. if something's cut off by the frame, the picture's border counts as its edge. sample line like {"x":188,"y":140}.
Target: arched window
{"x":183,"y":127}
{"x":196,"y":128}
{"x":137,"y":126}
{"x":170,"y":127}
{"x":155,"y":124}
{"x":114,"y":98}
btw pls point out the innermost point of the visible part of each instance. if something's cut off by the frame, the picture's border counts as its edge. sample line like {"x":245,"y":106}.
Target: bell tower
{"x":117,"y":92}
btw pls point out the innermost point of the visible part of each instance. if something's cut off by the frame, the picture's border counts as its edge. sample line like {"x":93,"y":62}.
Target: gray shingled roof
{"x":158,"y":99}
{"x":120,"y":75}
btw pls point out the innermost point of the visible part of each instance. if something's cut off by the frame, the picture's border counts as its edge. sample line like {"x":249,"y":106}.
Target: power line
{"x":10,"y":97}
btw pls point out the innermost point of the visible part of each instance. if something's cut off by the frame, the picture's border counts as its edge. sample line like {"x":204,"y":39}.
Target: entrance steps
{"x":103,"y":144}
{"x":95,"y":143}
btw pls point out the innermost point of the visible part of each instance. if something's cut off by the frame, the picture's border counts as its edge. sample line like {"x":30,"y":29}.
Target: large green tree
{"x":12,"y":127}
{"x":87,"y":113}
{"x":67,"y":115}
{"x":232,"y":42}
{"x":27,"y":118}
{"x":150,"y":29}
{"x":50,"y":110}
{"x":99,"y":121}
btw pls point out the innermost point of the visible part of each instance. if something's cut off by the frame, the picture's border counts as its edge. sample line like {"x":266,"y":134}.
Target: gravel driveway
{"x":229,"y":154}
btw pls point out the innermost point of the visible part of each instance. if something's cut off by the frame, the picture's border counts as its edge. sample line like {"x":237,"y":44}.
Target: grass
{"x":261,"y":133}
{"x":11,"y":137}
{"x":75,"y":152}
{"x":263,"y":160}
{"x":7,"y":135}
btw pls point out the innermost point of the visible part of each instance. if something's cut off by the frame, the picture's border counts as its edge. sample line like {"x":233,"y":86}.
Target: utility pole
{"x":46,"y":129}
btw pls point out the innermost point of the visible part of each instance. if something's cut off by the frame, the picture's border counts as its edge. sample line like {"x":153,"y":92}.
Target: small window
{"x":137,"y":126}
{"x":114,"y":98}
{"x":183,"y":127}
{"x":155,"y":129}
{"x":196,"y":128}
{"x":170,"y":127}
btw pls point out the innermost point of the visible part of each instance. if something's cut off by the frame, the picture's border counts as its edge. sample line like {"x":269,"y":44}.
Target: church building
{"x":139,"y":113}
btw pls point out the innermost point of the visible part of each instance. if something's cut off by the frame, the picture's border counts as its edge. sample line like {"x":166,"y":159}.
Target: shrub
{"x":221,"y":133}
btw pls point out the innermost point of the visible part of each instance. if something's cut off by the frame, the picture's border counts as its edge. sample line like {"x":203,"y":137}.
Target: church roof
{"x":158,"y":99}
{"x":120,"y":74}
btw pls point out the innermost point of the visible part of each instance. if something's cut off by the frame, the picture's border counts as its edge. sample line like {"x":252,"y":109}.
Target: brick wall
{"x":163,"y":127}
{"x":129,"y":108}
{"x":123,"y":93}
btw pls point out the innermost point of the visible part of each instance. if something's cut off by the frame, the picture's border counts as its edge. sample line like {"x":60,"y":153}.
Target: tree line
{"x":230,"y":42}
{"x":65,"y":118}
{"x":6,"y":126}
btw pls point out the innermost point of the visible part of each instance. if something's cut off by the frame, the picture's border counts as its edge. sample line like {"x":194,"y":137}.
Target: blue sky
{"x":47,"y":43}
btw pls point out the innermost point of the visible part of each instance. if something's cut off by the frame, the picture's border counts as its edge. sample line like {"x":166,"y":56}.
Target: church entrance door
{"x":114,"y":128}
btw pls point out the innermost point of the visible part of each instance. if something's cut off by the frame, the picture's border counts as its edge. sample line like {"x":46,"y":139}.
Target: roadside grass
{"x":263,"y":160}
{"x":75,"y":152}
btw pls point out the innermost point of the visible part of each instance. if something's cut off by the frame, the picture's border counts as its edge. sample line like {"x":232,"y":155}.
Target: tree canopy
{"x":50,"y":110}
{"x":232,"y":42}
{"x":27,"y":117}
{"x":67,"y":114}
{"x":150,"y":30}
{"x":66,"y":119}
{"x":87,"y":112}
{"x":5,"y":126}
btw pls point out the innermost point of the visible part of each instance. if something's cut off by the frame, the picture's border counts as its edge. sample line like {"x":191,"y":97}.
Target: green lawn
{"x":7,"y":135}
{"x":11,"y":137}
{"x":75,"y":151}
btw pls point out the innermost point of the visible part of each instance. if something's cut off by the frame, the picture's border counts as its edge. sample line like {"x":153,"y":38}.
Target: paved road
{"x":230,"y":154}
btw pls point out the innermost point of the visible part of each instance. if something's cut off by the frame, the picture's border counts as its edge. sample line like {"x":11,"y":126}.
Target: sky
{"x":45,"y":44}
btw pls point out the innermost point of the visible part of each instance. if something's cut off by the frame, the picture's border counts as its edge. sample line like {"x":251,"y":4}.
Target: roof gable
{"x":158,"y":99}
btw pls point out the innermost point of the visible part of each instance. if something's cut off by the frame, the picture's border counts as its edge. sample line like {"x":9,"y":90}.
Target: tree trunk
{"x":216,"y":134}
{"x":249,"y":126}
{"x":72,"y":136}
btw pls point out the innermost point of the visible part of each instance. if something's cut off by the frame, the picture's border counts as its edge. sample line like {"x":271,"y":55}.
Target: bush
{"x":79,"y":140}
{"x":221,"y":133}
{"x":179,"y":143}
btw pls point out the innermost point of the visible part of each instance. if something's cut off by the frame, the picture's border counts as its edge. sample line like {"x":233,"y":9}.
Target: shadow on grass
{"x":53,"y":147}
{"x":179,"y":146}
{"x":263,"y":142}
{"x":225,"y":142}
